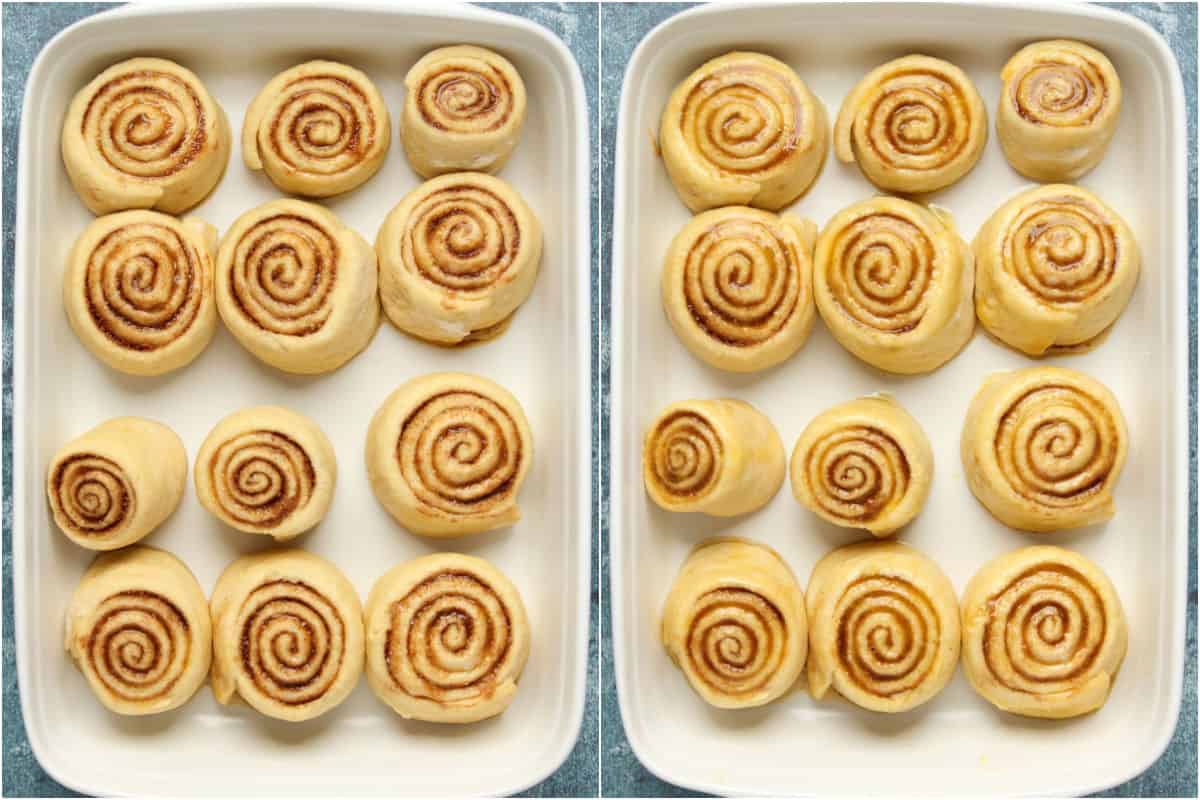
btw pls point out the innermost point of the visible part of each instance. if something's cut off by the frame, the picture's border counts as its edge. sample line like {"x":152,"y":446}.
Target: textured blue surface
{"x":27,"y":29}
{"x":623,"y":26}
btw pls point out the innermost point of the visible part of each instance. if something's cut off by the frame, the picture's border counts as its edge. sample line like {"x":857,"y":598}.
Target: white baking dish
{"x":60,"y":391}
{"x":956,"y":744}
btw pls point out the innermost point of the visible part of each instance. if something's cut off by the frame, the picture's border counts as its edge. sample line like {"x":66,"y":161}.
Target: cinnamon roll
{"x":447,"y":454}
{"x":1058,"y":109}
{"x":297,"y":288}
{"x":138,"y":290}
{"x":267,"y":470}
{"x":720,"y":457}
{"x":864,"y":464}
{"x":145,"y":133}
{"x":1043,"y":633}
{"x":1043,"y":448}
{"x":884,"y":626}
{"x":1055,"y":267}
{"x":463,"y":111}
{"x":457,"y":257}
{"x":737,"y":287}
{"x":287,"y":635}
{"x":915,"y":124}
{"x":116,"y":483}
{"x":893,"y":280}
{"x":318,"y":129}
{"x":138,"y":628}
{"x":735,"y":624}
{"x":447,"y":638}
{"x":743,"y":129}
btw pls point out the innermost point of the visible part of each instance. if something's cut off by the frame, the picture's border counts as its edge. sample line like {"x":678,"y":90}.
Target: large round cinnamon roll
{"x":145,"y":133}
{"x":463,"y":111}
{"x":914,"y":125}
{"x":735,"y":623}
{"x":296,"y":287}
{"x":1055,"y":267}
{"x":138,"y":290}
{"x":1058,"y":109}
{"x":317,"y":129}
{"x":457,"y":257}
{"x":447,"y":454}
{"x":138,"y":628}
{"x":893,"y":280}
{"x":447,"y":638}
{"x":743,"y":129}
{"x":267,"y":470}
{"x":720,"y":457}
{"x":884,"y":626}
{"x":1043,"y":448}
{"x":864,"y":464}
{"x":116,"y":483}
{"x":1043,"y":633}
{"x":737,"y":287}
{"x":287,"y":634}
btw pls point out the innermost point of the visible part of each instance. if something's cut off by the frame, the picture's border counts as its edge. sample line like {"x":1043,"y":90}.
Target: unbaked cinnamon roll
{"x":317,"y":129}
{"x":138,"y":628}
{"x":914,"y":125}
{"x":457,"y":257}
{"x":447,"y":638}
{"x":735,"y":623}
{"x":145,"y":133}
{"x":1043,"y":633}
{"x":1058,"y":109}
{"x":743,"y":129}
{"x":138,"y":290}
{"x":884,"y":627}
{"x":296,"y":287}
{"x":116,"y":483}
{"x":447,"y":454}
{"x":737,"y":287}
{"x":1055,"y":267}
{"x":893,"y":280}
{"x":287,"y":635}
{"x":463,"y":111}
{"x":719,"y":457}
{"x":1043,"y":448}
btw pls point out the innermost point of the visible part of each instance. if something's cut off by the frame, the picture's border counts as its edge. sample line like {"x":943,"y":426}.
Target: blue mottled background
{"x":623,"y":25}
{"x":27,"y":29}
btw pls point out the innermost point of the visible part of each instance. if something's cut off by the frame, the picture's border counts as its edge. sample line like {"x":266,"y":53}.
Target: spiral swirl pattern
{"x":462,"y":238}
{"x":916,"y":118}
{"x":735,"y":641}
{"x":880,"y":271}
{"x":686,"y":451}
{"x":1062,"y":250}
{"x":1063,"y":90}
{"x":856,"y":472}
{"x":260,"y":478}
{"x":92,"y":495}
{"x":888,"y":632}
{"x":465,"y":95}
{"x":138,"y":645}
{"x":321,"y":124}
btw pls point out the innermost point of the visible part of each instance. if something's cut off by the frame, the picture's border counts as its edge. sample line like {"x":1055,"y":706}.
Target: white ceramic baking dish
{"x":60,"y":391}
{"x":957,"y":744}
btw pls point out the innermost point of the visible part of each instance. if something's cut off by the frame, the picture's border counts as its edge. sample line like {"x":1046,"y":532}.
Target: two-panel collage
{"x":597,"y":399}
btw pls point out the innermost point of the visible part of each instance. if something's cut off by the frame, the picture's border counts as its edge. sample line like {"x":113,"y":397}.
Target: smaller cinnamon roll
{"x":457,"y":258}
{"x":737,"y":287}
{"x":287,"y":635}
{"x":463,"y":111}
{"x":1043,"y":448}
{"x":318,"y":129}
{"x":734,"y":623}
{"x":266,"y":470}
{"x":297,"y":288}
{"x":914,"y":125}
{"x":1055,"y":267}
{"x":447,"y":638}
{"x":1058,"y":109}
{"x":719,"y":457}
{"x":743,"y":129}
{"x":883,"y":627}
{"x":864,"y":464}
{"x":138,"y":628}
{"x":145,"y":133}
{"x":447,"y":454}
{"x":116,"y":483}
